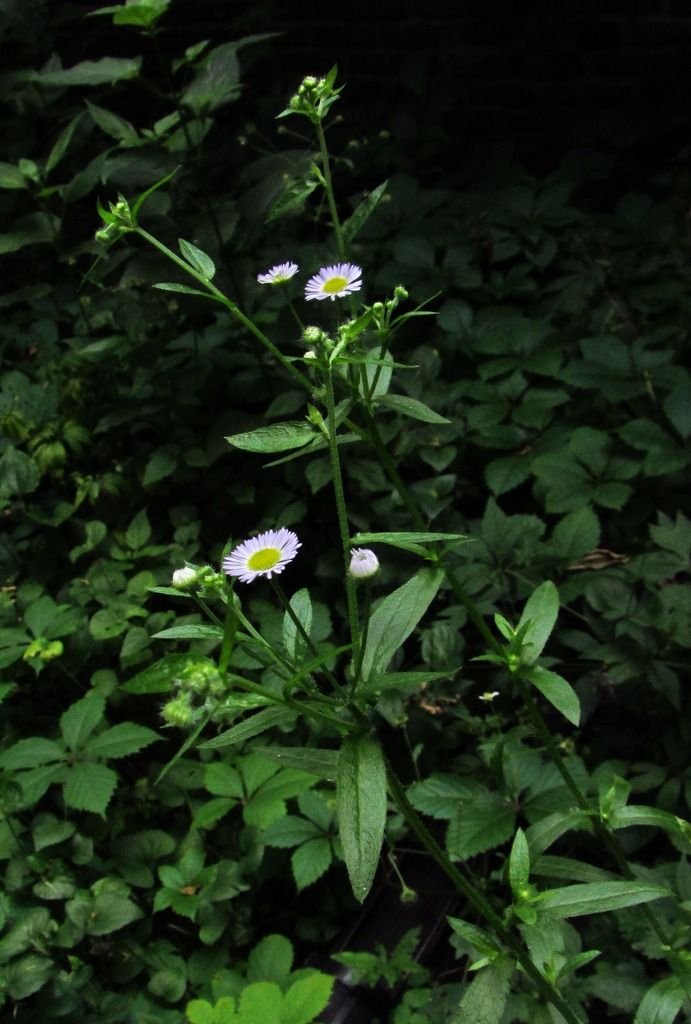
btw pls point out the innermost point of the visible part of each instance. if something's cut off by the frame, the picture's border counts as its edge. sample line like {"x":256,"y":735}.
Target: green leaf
{"x":11,"y":177}
{"x":576,"y":534}
{"x":89,"y":787}
{"x":411,"y":407}
{"x":111,"y":909}
{"x":310,"y":861}
{"x":139,"y":531}
{"x":261,"y":1001}
{"x":396,"y":617}
{"x":484,"y":1001}
{"x":27,"y":975}
{"x":105,"y":71}
{"x":540,"y":614}
{"x":677,"y":406}
{"x":354,"y":224}
{"x":184,"y":289}
{"x":279,"y":437}
{"x":61,"y":144}
{"x":199,"y":1011}
{"x":80,"y":720}
{"x":410,"y":541}
{"x":121,"y":740}
{"x":439,"y":796}
{"x":112,"y":124}
{"x":485,"y":823}
{"x":597,"y":897}
{"x":197,"y":259}
{"x":271,"y":960}
{"x":32,"y":752}
{"x":19,"y":474}
{"x":195,"y":631}
{"x":635,"y":814}
{"x":661,"y":1003}
{"x":322,"y":763}
{"x":306,"y":998}
{"x":404,"y":682}
{"x":519,"y":864}
{"x":252,"y":726}
{"x":557,"y":691}
{"x":47,"y":830}
{"x":361,"y":801}
{"x":293,"y":641}
{"x":160,"y":677}
{"x":290,"y":831}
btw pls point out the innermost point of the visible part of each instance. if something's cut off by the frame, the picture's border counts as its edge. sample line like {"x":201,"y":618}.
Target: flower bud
{"x":363,"y":563}
{"x":400,"y":292}
{"x":184,"y":579}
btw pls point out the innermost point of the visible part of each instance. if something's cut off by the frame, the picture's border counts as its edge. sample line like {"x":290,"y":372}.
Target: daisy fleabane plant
{"x":263,"y":555}
{"x":334,"y":282}
{"x":279,"y":274}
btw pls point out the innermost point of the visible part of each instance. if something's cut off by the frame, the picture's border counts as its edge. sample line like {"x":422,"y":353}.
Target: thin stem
{"x":328,"y":188}
{"x":232,"y":308}
{"x":342,"y":515}
{"x":476,"y":899}
{"x":363,"y":636}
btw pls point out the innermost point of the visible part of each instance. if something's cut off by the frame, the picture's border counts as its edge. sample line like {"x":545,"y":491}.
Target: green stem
{"x":290,"y":612}
{"x":232,"y":308}
{"x":342,"y":515}
{"x":328,"y":188}
{"x":363,"y":636}
{"x":476,"y":899}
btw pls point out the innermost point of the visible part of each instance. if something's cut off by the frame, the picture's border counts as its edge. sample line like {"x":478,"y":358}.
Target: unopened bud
{"x":184,"y":579}
{"x":363,"y":563}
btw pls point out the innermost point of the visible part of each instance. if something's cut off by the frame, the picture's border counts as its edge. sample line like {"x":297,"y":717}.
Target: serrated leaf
{"x":290,"y":831}
{"x":197,"y":259}
{"x":484,"y":1001}
{"x":439,"y":796}
{"x":271,"y":960}
{"x":32,"y":753}
{"x":310,"y":861}
{"x":261,"y":1001}
{"x":396,"y":617}
{"x":361,"y":802}
{"x":121,"y":740}
{"x":80,"y":720}
{"x":597,"y":897}
{"x":482,"y":825}
{"x":557,"y":691}
{"x":540,"y":611}
{"x":89,"y":787}
{"x":279,"y":437}
{"x":306,"y":998}
{"x":253,"y":726}
{"x":411,"y":407}
{"x":576,"y":534}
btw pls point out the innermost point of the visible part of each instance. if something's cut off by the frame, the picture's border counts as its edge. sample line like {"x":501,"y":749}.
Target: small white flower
{"x":264,"y":555}
{"x":278,"y":274}
{"x":363,"y":563}
{"x":488,"y":696}
{"x":334,"y":282}
{"x":184,"y":579}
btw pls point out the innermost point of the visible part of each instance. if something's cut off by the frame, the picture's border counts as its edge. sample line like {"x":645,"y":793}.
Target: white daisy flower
{"x":363,"y":563}
{"x":334,"y":282}
{"x":263,"y":555}
{"x":278,"y":274}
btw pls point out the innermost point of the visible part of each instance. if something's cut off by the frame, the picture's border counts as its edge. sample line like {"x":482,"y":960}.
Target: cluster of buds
{"x":314,"y":97}
{"x":199,"y":688}
{"x":381,"y":311}
{"x":202,"y":580}
{"x":118,"y":220}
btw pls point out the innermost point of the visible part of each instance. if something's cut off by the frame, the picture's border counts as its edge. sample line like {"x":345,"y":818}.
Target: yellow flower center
{"x":267,"y":558}
{"x":334,"y":284}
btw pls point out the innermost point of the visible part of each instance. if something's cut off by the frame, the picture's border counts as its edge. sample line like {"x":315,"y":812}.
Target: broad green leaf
{"x":80,"y":720}
{"x":31,"y":230}
{"x":105,"y":71}
{"x":557,"y":691}
{"x":47,"y":830}
{"x":271,"y":960}
{"x":139,"y":531}
{"x":354,"y":224}
{"x":661,"y":1003}
{"x":396,"y":617}
{"x":111,"y":910}
{"x":411,"y":407}
{"x":322,"y":763}
{"x":485,"y":823}
{"x":27,"y":975}
{"x":290,"y":831}
{"x":279,"y":437}
{"x":306,"y":998}
{"x":361,"y":802}
{"x":197,"y":259}
{"x":89,"y":787}
{"x":261,"y":1001}
{"x":253,"y":726}
{"x":519,"y":864}
{"x":194,"y":631}
{"x":484,"y":1001}
{"x":199,"y":1011}
{"x":634,"y":814}
{"x":121,"y":740}
{"x":677,"y":406}
{"x":410,"y":541}
{"x":32,"y":752}
{"x":576,"y":534}
{"x":11,"y":177}
{"x":540,"y":611}
{"x":310,"y":861}
{"x":597,"y":897}
{"x":293,"y":640}
{"x":439,"y":796}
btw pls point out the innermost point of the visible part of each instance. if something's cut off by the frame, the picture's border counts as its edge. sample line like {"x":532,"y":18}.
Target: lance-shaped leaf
{"x":361,"y":801}
{"x":410,"y":541}
{"x":597,"y":897}
{"x":279,"y":437}
{"x":395,"y":619}
{"x":354,"y":224}
{"x":411,"y":407}
{"x":197,"y":259}
{"x":540,"y":613}
{"x":252,"y":726}
{"x":557,"y":691}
